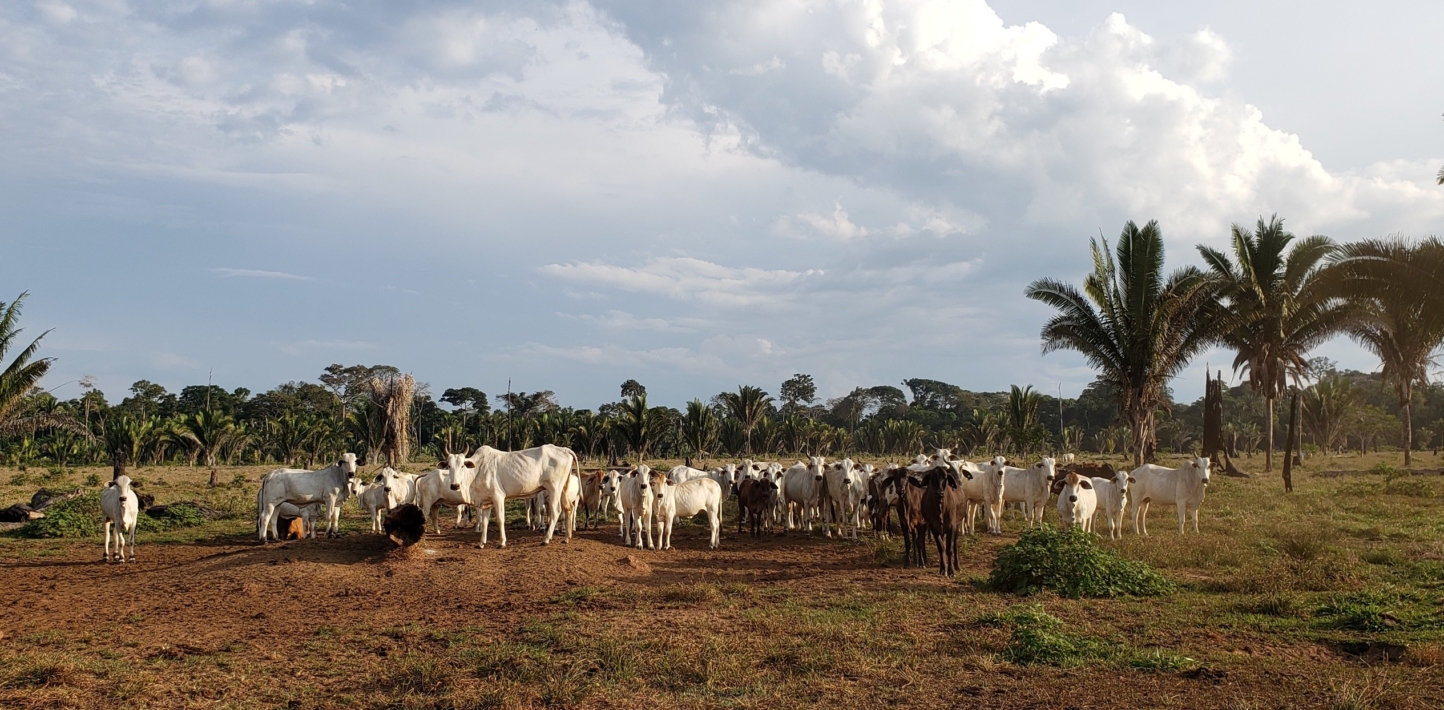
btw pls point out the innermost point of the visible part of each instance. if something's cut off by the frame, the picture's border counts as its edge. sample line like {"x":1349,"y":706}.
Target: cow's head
{"x":941,"y":456}
{"x":457,"y":471}
{"x":659,"y":483}
{"x":1048,"y":466}
{"x":643,"y":475}
{"x":609,"y":483}
{"x":818,"y":465}
{"x":348,"y":464}
{"x":1199,"y":466}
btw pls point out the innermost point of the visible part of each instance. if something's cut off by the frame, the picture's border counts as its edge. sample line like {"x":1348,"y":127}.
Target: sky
{"x":566,"y":195}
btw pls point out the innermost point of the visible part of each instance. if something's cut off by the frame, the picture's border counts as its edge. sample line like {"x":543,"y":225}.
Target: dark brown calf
{"x":944,"y":507}
{"x":591,"y":502}
{"x":877,"y":506}
{"x":759,"y":498}
{"x":909,"y":516}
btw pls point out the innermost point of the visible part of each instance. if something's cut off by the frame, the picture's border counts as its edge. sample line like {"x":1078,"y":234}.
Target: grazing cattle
{"x":685,"y":500}
{"x":802,"y":491}
{"x":637,"y":504}
{"x":492,"y":476}
{"x":298,"y":487}
{"x":684,"y":473}
{"x":842,"y":495}
{"x":1112,"y":499}
{"x":405,"y":524}
{"x":910,"y":515}
{"x":944,"y":507}
{"x":121,"y":508}
{"x":1181,"y":487}
{"x":434,"y":488}
{"x":1031,"y":487}
{"x":1077,"y":503}
{"x":757,"y":498}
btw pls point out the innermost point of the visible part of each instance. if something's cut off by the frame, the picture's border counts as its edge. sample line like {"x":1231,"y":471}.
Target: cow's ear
{"x":1132,"y":479}
{"x":1085,"y":483}
{"x":441,"y":464}
{"x":470,"y":464}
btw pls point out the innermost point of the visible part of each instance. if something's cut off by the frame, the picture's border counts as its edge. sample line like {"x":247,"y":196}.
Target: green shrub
{"x":54,"y":473}
{"x":1374,"y":610}
{"x":175,"y":515}
{"x":92,"y":480}
{"x":1039,"y":640}
{"x":77,"y":517}
{"x":1069,"y":563}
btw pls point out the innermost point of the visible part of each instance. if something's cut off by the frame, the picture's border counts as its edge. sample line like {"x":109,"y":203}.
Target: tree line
{"x":1271,"y":301}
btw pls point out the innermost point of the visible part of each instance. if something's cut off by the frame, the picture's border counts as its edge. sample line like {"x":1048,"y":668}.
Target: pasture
{"x":1332,"y":596}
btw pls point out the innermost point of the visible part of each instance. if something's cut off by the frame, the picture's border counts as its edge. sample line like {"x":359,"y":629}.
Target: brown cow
{"x":944,"y":507}
{"x":909,"y":515}
{"x":1086,"y":470}
{"x":757,"y":498}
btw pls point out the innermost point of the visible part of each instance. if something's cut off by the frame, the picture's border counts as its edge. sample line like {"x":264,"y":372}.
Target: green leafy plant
{"x":77,"y":517}
{"x":1038,"y":639}
{"x":92,"y":480}
{"x":1071,"y":564}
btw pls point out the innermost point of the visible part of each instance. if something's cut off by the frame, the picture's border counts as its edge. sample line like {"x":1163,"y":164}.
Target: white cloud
{"x":57,"y":11}
{"x":836,"y":225}
{"x":685,"y":278}
{"x":171,"y":361}
{"x":341,"y":346}
{"x":259,"y":274}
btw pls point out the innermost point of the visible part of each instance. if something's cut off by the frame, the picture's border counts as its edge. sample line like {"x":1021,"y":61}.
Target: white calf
{"x":684,"y":500}
{"x":843,"y":492}
{"x":371,"y":496}
{"x":431,"y":490}
{"x":298,"y":487}
{"x":1181,"y":487}
{"x":1077,"y":503}
{"x":984,"y":492}
{"x":121,"y":508}
{"x":1112,"y":499}
{"x":636,"y":504}
{"x":802,"y":486}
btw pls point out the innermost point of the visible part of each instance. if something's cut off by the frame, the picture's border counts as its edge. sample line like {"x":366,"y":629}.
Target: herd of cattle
{"x":935,"y":497}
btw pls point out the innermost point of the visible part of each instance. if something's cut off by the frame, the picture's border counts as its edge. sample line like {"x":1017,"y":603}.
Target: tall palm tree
{"x":1022,"y":413}
{"x":700,"y":428}
{"x":1138,"y":328}
{"x":1397,"y":287}
{"x":639,"y":424}
{"x":209,"y":433}
{"x":747,"y":405}
{"x":1281,"y":309}
{"x":21,"y":376}
{"x":1327,"y":408}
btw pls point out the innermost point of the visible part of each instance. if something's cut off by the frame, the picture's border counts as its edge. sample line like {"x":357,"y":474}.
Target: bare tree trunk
{"x":1269,"y":447}
{"x":1408,"y":431}
{"x":1291,"y":443}
{"x":215,"y":474}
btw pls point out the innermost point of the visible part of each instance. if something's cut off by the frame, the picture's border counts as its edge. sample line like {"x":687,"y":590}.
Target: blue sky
{"x":568,"y":195}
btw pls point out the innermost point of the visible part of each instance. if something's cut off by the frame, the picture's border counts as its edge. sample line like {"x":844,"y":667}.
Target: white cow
{"x":434,"y":488}
{"x":1030,"y":487}
{"x":636,"y":504}
{"x":682,"y":474}
{"x":984,"y":492}
{"x":802,"y":486}
{"x":1112,"y":499}
{"x":493,"y":476}
{"x":1077,"y":503}
{"x":121,"y":508}
{"x":300,"y":487}
{"x":684,"y":500}
{"x":726,"y":476}
{"x":371,"y":496}
{"x":843,"y":491}
{"x":574,"y":495}
{"x":1181,"y":487}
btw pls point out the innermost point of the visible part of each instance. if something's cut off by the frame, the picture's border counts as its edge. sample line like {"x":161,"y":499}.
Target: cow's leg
{"x":554,"y":511}
{"x":132,"y":540}
{"x":106,"y":556}
{"x":271,"y":522}
{"x":483,"y":523}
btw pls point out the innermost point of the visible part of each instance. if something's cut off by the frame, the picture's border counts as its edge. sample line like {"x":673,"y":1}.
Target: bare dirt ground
{"x":786,"y":621}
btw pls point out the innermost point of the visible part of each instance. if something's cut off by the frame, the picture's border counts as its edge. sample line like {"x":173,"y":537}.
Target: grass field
{"x":1327,"y":597}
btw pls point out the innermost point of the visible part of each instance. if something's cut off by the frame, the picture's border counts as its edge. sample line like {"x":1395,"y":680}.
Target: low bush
{"x":1070,"y":563}
{"x":77,"y":517}
{"x":176,"y":515}
{"x":1375,"y":610}
{"x":1038,"y":639}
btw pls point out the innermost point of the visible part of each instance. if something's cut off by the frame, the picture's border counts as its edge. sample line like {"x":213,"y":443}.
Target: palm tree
{"x":126,"y":437}
{"x":747,"y":405}
{"x":21,"y":376}
{"x":1327,"y":408}
{"x":1396,"y":286}
{"x":1281,"y":309}
{"x":1023,"y":427}
{"x":1137,"y":328}
{"x":640,"y":425}
{"x":700,"y":428}
{"x":208,"y":433}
